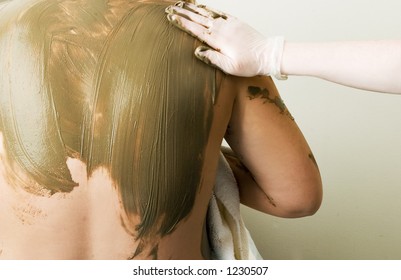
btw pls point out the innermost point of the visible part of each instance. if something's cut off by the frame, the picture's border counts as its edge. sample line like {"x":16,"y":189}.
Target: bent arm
{"x":369,"y":65}
{"x":276,"y":170}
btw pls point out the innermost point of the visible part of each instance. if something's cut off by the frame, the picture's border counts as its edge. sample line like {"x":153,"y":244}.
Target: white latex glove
{"x":236,"y":48}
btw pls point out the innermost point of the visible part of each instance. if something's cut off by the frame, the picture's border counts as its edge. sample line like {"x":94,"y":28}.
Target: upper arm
{"x":280,"y":175}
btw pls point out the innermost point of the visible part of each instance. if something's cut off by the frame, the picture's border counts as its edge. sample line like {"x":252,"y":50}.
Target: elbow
{"x":300,"y":201}
{"x":308,"y":207}
{"x":293,"y":196}
{"x":304,"y":194}
{"x":313,"y":207}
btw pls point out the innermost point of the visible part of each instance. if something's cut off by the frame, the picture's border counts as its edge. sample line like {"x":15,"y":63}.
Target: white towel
{"x":228,"y":236}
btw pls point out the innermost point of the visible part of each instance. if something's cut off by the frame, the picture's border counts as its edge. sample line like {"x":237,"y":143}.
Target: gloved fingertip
{"x":180,"y":4}
{"x":205,"y":54}
{"x":199,"y":53}
{"x":171,"y":18}
{"x":169,"y":10}
{"x":201,"y":49}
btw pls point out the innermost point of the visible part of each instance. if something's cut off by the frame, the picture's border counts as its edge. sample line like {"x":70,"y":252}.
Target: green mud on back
{"x":113,"y":84}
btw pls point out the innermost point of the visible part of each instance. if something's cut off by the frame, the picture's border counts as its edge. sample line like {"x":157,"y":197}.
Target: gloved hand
{"x":236,"y":48}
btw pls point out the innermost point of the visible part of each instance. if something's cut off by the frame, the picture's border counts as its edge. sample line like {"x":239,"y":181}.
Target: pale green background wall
{"x":355,"y":136}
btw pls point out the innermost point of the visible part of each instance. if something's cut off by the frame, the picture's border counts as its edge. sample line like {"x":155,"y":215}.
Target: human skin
{"x":107,"y":153}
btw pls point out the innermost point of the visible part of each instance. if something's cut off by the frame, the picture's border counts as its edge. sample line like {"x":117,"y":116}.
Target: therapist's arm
{"x":238,"y":49}
{"x":369,"y":65}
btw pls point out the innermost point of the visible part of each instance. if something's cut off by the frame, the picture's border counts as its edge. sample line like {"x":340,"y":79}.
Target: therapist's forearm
{"x":369,"y":65}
